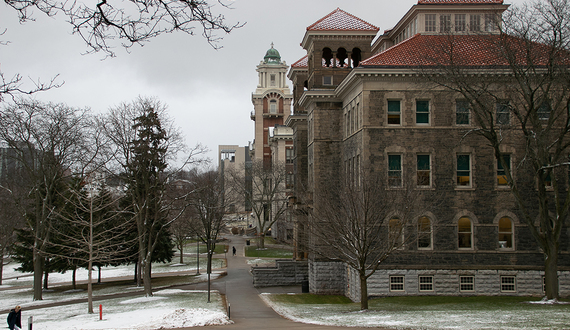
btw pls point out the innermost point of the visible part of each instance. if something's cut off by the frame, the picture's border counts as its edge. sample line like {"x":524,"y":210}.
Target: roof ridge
{"x":442,"y":2}
{"x":297,"y":64}
{"x":367,"y":25}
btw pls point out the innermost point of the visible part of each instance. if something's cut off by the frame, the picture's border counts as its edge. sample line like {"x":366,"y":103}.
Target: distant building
{"x":359,"y":101}
{"x":234,"y":157}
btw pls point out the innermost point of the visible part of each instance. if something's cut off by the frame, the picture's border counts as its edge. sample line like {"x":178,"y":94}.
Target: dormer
{"x":437,"y":17}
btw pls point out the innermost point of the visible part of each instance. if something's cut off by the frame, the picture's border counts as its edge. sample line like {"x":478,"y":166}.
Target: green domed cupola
{"x":272,"y":56}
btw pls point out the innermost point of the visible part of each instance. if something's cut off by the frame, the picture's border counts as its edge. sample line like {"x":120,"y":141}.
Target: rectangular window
{"x":503,"y":113}
{"x":474,"y":23}
{"x":501,"y":175}
{"x":395,"y":170}
{"x":430,"y":23}
{"x":445,"y":23}
{"x":327,"y":80}
{"x":422,"y":112}
{"x":464,"y":170}
{"x":423,"y":168}
{"x":272,"y":80}
{"x":289,"y":155}
{"x":396,"y":283}
{"x":425,"y":283}
{"x":466,"y":283}
{"x":462,"y":112}
{"x":490,"y":22}
{"x":460,"y":22}
{"x":394,"y":112}
{"x":543,"y":111}
{"x":508,"y":284}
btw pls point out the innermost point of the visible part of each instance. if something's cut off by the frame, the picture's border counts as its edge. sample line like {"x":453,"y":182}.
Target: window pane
{"x":464,"y":232}
{"x":396,"y":283}
{"x":430,"y":22}
{"x":501,"y":175}
{"x":459,"y":22}
{"x":505,"y":233}
{"x":466,"y":283}
{"x":543,"y":111}
{"x":426,"y":283}
{"x":474,"y":23}
{"x":423,"y":170}
{"x":463,"y":170}
{"x":395,"y":170}
{"x":394,"y":112}
{"x":422,"y":112}
{"x":508,"y":283}
{"x":503,"y":113}
{"x":424,"y":233}
{"x":462,"y":113}
{"x":444,"y":23}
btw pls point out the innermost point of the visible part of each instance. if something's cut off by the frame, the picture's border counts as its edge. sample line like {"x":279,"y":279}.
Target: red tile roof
{"x":446,"y":2}
{"x":339,"y":20}
{"x":467,"y":50}
{"x":302,"y":63}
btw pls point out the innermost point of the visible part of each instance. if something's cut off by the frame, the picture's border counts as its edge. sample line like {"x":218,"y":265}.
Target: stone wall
{"x":327,"y":277}
{"x":447,"y":282}
{"x":285,"y":272}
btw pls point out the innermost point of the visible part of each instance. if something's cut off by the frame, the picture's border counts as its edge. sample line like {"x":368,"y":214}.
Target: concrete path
{"x":247,"y":309}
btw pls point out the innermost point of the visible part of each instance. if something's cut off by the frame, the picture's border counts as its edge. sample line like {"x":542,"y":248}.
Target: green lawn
{"x":268,"y":252}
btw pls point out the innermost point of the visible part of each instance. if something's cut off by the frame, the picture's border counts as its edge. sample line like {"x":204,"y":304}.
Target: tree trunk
{"x":181,"y":249}
{"x":38,"y":274}
{"x":46,"y":277}
{"x":1,"y":265}
{"x":146,"y":278}
{"x":98,"y":274}
{"x":363,"y":293}
{"x":73,"y":282}
{"x":261,"y":241}
{"x":551,"y":272}
{"x":90,"y":287}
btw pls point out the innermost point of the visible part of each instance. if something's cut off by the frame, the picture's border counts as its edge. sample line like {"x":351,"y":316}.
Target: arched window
{"x":396,"y":233}
{"x":424,"y":234}
{"x":505,"y":233}
{"x":327,"y":56}
{"x":465,"y":233}
{"x":356,"y":57}
{"x":341,"y":56}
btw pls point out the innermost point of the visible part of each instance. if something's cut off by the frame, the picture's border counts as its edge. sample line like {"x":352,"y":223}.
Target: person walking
{"x":234,"y":250}
{"x":15,"y":318}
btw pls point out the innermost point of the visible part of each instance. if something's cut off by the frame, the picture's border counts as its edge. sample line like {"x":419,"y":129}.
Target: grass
{"x":191,"y":248}
{"x":270,"y":252}
{"x":424,"y":312}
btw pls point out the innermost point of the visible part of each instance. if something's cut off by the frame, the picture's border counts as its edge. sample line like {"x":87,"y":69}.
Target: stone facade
{"x":372,"y":117}
{"x":285,"y":272}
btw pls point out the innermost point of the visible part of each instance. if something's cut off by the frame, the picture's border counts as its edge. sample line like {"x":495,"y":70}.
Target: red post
{"x":100,"y":312}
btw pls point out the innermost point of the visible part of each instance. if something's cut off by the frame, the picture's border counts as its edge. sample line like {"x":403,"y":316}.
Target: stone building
{"x":236,"y":158}
{"x":359,"y":101}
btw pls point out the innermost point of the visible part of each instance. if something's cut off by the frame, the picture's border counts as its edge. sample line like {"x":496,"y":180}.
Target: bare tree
{"x":50,"y":143}
{"x":208,"y":206}
{"x":11,"y":218}
{"x":517,"y":86}
{"x":132,"y":22}
{"x":267,"y":194}
{"x":361,"y":223}
{"x":92,"y":229}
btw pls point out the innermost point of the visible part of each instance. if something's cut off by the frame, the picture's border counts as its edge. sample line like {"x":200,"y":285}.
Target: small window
{"x":396,"y":283}
{"x":462,"y":112}
{"x":464,"y":233}
{"x":395,"y":170}
{"x":423,"y":170}
{"x":466,"y":283}
{"x":490,"y":22}
{"x":505,"y":233}
{"x":425,"y":283}
{"x":273,"y":106}
{"x":430,"y":23}
{"x":543,"y":111}
{"x":508,"y":284}
{"x":396,"y":233}
{"x":394,"y":112}
{"x":474,"y":23}
{"x":501,"y":174}
{"x":422,"y":112}
{"x":503,"y":113}
{"x":272,"y":78}
{"x":445,"y":23}
{"x":327,"y":80}
{"x":424,"y":233}
{"x":460,"y":22}
{"x":463,"y":170}
{"x":289,"y":155}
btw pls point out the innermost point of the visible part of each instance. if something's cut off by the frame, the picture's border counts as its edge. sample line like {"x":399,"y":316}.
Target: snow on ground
{"x":166,"y":309}
{"x":430,"y":318}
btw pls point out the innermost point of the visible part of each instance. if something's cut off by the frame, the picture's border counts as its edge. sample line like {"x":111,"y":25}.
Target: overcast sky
{"x":207,"y":91}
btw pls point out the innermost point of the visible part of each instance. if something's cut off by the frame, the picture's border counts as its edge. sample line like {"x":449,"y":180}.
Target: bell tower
{"x":271,"y":101}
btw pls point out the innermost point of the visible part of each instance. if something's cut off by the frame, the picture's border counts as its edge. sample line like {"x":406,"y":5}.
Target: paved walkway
{"x":247,"y":309}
